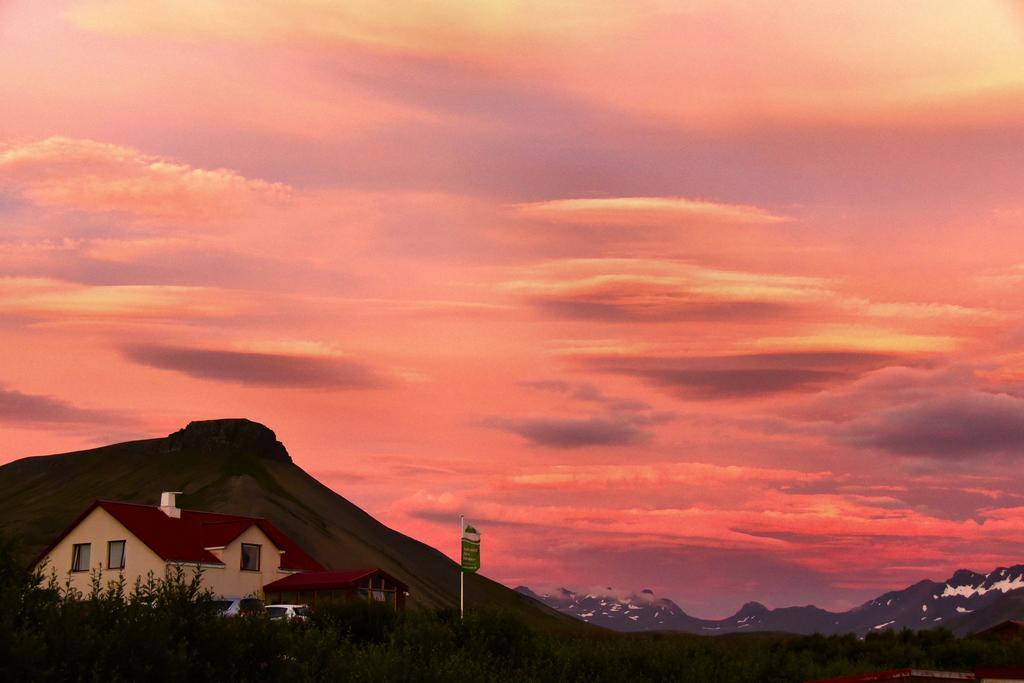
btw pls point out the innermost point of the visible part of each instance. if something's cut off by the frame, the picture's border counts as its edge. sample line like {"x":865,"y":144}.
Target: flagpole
{"x":462,"y":574}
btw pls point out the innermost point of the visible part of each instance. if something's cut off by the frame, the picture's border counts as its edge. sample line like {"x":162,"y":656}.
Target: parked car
{"x":300,"y":612}
{"x":233,"y":607}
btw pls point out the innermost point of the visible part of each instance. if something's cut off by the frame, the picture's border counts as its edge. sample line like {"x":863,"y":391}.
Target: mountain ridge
{"x":966,"y":602}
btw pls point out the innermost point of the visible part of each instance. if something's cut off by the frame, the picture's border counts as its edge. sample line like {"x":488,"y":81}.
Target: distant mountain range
{"x":965,"y":603}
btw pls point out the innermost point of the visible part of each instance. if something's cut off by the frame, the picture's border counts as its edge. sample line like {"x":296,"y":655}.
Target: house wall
{"x":96,"y":529}
{"x":232,"y":581}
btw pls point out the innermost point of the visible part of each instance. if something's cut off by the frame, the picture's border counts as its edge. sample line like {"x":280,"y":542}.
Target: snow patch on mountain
{"x":968,"y":590}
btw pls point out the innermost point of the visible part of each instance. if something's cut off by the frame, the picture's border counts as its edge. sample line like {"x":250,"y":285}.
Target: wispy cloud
{"x":860,"y":337}
{"x":591,"y":48}
{"x":587,"y":393}
{"x":437,"y":28}
{"x":258,"y":369}
{"x":742,"y":375}
{"x":659,"y":290}
{"x":57,"y":299}
{"x":646,"y":211}
{"x":21,"y":408}
{"x":622,"y":422}
{"x":90,"y":176}
{"x":597,"y":477}
{"x":567,"y":432}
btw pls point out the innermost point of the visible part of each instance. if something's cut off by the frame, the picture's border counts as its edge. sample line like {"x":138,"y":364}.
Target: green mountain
{"x":236,"y":466}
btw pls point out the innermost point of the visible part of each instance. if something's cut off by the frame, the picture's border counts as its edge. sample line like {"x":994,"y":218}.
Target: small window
{"x":250,"y":557}
{"x":80,"y":557}
{"x":115,"y":555}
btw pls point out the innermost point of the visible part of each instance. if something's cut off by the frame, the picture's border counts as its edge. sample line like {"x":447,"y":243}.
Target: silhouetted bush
{"x":359,"y":622}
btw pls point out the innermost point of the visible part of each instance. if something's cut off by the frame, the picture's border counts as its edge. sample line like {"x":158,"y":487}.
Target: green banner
{"x":470,"y":549}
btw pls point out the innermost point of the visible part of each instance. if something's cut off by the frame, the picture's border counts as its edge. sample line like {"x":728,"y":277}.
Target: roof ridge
{"x":202,"y":512}
{"x":223,"y":514}
{"x":233,"y":521}
{"x":125,"y":502}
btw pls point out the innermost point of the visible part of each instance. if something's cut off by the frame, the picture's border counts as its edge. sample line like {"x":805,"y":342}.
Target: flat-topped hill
{"x":234,"y":466}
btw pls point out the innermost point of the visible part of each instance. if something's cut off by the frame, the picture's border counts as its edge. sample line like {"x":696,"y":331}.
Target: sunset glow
{"x":718,"y":299}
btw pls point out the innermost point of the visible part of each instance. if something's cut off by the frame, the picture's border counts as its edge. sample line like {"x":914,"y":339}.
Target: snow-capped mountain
{"x":966,"y":602}
{"x":618,"y":610}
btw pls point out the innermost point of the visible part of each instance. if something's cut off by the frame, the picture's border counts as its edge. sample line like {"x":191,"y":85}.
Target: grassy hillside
{"x":238,"y":467}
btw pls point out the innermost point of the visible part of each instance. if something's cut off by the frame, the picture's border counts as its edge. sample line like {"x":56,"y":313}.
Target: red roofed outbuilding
{"x":312,"y":588}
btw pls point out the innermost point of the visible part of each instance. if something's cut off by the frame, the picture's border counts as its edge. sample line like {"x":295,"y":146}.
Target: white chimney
{"x":167,"y":505}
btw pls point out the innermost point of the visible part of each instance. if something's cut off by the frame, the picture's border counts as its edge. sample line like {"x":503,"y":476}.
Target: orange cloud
{"x":419,"y":28}
{"x":57,"y":299}
{"x":646,"y":211}
{"x":85,"y":175}
{"x":747,"y":510}
{"x":591,"y":477}
{"x":694,"y":63}
{"x":649,"y":289}
{"x":853,"y":337}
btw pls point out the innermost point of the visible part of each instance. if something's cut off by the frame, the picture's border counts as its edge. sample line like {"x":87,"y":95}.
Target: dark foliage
{"x":165,"y":629}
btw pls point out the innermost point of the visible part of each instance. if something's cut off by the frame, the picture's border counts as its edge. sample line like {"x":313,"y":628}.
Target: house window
{"x":250,"y":557}
{"x":80,"y":557}
{"x":115,"y":555}
{"x":377,"y":591}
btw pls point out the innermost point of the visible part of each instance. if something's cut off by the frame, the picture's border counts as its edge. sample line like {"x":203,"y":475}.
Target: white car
{"x":300,"y":612}
{"x":233,"y":607}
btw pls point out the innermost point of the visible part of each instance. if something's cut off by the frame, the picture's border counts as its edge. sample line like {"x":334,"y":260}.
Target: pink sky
{"x":718,"y":299}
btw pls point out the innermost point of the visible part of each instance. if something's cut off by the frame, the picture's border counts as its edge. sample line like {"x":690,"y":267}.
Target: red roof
{"x":312,"y":581}
{"x":185,"y":539}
